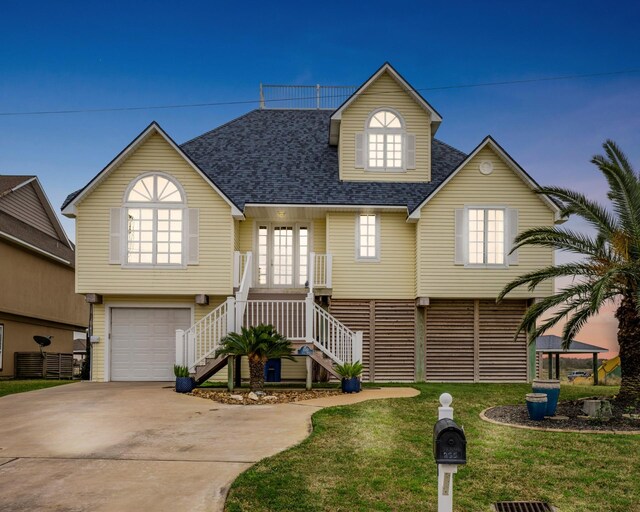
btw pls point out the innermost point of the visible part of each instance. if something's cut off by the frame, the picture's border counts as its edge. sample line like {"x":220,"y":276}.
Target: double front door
{"x":282,"y":255}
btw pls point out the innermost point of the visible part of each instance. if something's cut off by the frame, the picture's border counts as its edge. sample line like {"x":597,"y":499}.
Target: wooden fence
{"x":50,"y":365}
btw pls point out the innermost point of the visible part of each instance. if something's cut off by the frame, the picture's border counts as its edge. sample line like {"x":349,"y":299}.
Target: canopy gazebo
{"x":551,"y":345}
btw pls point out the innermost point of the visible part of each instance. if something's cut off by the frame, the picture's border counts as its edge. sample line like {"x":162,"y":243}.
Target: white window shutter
{"x":115,"y":237}
{"x":513,"y":233}
{"x":193,"y":242}
{"x":411,"y":151}
{"x":360,"y":150}
{"x":460,"y":229}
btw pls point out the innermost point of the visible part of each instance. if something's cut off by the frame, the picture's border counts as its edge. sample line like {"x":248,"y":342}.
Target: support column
{"x":230,"y":368}
{"x":595,"y":368}
{"x":550,"y":365}
{"x":558,"y":366}
{"x":309,"y":363}
{"x":238,"y":372}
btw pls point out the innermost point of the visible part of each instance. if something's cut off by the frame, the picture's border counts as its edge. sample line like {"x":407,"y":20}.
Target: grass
{"x":9,"y":387}
{"x":377,"y":456}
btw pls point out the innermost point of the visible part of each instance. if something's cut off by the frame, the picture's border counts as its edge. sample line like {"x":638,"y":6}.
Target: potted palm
{"x":258,"y":344}
{"x":184,"y":381}
{"x":350,"y":373}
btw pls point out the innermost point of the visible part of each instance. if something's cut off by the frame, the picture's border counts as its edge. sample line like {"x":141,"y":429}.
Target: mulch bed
{"x":517,"y":415}
{"x":272,"y":396}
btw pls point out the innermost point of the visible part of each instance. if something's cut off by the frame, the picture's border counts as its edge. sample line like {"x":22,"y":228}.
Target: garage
{"x":143,"y":343}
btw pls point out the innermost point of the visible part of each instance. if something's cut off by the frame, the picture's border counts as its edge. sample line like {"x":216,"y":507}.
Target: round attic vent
{"x":486,"y":167}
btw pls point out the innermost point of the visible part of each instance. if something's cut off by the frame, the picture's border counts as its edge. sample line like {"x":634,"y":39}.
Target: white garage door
{"x":143,"y":342}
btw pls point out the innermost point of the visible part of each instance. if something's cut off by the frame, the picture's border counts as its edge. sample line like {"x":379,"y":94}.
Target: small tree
{"x":259,"y":344}
{"x":609,"y":269}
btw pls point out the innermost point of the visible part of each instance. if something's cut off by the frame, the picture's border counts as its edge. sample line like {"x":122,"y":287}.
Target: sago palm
{"x":258,"y":344}
{"x":608,"y":270}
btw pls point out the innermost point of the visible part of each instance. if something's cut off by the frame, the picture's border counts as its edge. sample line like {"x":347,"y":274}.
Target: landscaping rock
{"x":277,"y":396}
{"x":600,"y":409}
{"x":253,"y":396}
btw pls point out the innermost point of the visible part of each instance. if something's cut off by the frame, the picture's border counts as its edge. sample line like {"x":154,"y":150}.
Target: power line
{"x":247,"y":102}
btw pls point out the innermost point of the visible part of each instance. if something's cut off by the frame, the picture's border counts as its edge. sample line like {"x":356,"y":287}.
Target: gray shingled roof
{"x":284,"y":157}
{"x":553,"y":343}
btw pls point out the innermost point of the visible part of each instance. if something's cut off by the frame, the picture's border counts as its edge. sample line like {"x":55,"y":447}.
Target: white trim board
{"x":33,"y":248}
{"x":71,"y":211}
{"x":490,"y":141}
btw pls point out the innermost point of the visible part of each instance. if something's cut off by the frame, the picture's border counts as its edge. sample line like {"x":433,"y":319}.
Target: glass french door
{"x":283,"y":254}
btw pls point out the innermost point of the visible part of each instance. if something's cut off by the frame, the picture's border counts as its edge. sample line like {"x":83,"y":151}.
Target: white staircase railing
{"x":297,"y":320}
{"x":203,"y":338}
{"x":334,"y":338}
{"x":245,"y":285}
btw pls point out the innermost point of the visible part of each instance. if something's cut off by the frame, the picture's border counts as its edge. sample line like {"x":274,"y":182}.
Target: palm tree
{"x":608,"y":271}
{"x":259,"y":344}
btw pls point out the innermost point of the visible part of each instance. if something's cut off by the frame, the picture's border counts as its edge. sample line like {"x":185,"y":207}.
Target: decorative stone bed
{"x":569,"y":418}
{"x":272,"y":396}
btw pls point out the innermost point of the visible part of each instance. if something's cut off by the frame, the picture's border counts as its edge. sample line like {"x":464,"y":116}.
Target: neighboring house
{"x":37,"y":286}
{"x":351,"y":228}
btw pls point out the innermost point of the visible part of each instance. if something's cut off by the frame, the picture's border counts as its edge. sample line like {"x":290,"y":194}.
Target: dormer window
{"x":385,"y":141}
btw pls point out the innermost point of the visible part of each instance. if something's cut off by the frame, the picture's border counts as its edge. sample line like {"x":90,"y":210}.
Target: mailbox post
{"x":449,"y":450}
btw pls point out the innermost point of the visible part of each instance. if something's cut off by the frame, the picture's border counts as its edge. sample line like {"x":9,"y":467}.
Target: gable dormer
{"x":384,"y":131}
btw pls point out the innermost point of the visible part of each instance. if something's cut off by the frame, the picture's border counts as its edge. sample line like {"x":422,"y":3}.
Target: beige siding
{"x":393,"y":277}
{"x":385,"y":92}
{"x":25,"y":205}
{"x":213,"y":274}
{"x":437,"y":275}
{"x":246,"y":235}
{"x":320,"y":236}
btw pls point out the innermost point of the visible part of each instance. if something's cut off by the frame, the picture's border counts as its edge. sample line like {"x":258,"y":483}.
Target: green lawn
{"x":377,"y":455}
{"x":8,"y":387}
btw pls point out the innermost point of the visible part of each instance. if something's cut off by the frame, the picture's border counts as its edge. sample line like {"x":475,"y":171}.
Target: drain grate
{"x":522,"y":506}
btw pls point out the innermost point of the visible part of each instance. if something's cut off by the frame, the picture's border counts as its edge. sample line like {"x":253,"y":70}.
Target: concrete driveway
{"x":139,"y":446}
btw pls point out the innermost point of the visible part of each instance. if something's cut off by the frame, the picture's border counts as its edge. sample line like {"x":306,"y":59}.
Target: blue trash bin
{"x":273,"y":370}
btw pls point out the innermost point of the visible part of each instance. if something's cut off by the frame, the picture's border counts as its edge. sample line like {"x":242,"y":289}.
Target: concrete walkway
{"x":139,"y":446}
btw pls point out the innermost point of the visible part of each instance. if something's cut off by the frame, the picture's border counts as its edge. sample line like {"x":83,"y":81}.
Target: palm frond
{"x":576,"y":203}
{"x":562,"y":239}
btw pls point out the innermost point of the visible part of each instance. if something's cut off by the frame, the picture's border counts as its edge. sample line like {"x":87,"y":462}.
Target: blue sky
{"x":75,"y":55}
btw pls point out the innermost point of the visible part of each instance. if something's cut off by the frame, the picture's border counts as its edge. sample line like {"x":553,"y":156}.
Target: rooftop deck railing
{"x":304,"y":96}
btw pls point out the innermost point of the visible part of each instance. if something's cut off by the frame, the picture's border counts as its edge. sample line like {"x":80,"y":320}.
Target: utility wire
{"x":314,"y":97}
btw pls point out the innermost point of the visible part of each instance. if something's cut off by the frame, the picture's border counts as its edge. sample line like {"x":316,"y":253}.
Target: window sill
{"x":393,"y":170}
{"x":367,"y":260}
{"x":486,"y":266}
{"x":133,"y":266}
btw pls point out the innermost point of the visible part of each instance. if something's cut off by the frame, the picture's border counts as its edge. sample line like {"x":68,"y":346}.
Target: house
{"x":349,"y":226}
{"x":37,"y":274}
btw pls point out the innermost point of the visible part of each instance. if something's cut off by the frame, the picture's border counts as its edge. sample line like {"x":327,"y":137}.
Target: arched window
{"x":385,"y":140}
{"x":155,"y":217}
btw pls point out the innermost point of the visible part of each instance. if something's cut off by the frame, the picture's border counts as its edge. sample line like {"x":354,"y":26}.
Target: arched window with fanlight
{"x":385,"y":145}
{"x":152,"y":228}
{"x":385,"y":140}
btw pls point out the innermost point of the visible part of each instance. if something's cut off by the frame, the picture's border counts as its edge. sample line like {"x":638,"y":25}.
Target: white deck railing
{"x":320,"y":269}
{"x":240,"y":267}
{"x":304,"y":96}
{"x":287,"y":316}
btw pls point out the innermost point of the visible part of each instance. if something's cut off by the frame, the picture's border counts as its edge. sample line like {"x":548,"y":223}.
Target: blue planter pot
{"x":551,"y":388}
{"x":185,"y":384}
{"x":536,"y":406}
{"x":351,"y":385}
